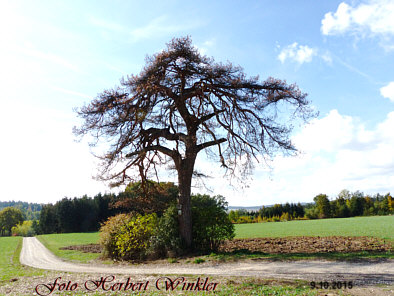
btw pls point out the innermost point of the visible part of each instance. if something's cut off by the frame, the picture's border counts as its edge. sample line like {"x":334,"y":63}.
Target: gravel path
{"x":34,"y":254}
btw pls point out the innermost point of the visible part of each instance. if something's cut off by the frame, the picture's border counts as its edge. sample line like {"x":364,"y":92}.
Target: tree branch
{"x":209,"y":116}
{"x":172,"y":153}
{"x":210,"y":143}
{"x":154,"y":133}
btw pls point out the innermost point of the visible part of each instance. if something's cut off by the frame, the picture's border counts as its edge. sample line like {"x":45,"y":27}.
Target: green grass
{"x":231,"y":287}
{"x":10,"y":268}
{"x":199,"y":260}
{"x":56,"y":241}
{"x":377,"y":226}
{"x":239,"y":290}
{"x":354,"y":256}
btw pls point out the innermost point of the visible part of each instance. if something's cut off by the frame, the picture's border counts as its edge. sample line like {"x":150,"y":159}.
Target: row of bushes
{"x":346,"y":204}
{"x":138,"y":236}
{"x":258,"y":219}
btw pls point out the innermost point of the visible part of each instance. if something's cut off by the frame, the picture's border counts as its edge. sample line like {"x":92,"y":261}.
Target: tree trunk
{"x":185,"y":174}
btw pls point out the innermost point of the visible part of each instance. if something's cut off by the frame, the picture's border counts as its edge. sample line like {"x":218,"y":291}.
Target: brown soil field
{"x":90,"y":248}
{"x":308,"y":245}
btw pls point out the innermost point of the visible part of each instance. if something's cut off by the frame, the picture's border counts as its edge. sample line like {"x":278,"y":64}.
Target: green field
{"x":11,"y":271}
{"x":377,"y":226}
{"x":10,"y":248}
{"x":56,"y":241}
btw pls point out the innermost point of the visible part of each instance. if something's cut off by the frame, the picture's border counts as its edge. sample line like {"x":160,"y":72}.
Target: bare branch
{"x":190,"y":103}
{"x":209,"y":144}
{"x":172,"y":153}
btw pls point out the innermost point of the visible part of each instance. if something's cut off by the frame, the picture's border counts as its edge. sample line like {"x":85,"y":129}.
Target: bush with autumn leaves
{"x":139,"y":235}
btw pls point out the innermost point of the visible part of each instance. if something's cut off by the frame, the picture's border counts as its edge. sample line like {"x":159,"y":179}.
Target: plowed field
{"x":302,"y":244}
{"x":308,"y":245}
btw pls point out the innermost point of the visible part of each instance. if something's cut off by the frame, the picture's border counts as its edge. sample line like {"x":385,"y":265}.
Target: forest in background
{"x":88,"y":213}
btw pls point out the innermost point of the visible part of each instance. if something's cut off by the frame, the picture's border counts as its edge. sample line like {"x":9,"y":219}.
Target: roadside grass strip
{"x":10,"y":268}
{"x":228,"y":287}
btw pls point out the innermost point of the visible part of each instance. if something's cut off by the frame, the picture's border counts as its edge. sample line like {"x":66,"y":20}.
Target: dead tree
{"x":182,"y":103}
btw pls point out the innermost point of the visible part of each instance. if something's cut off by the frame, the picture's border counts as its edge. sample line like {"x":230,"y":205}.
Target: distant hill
{"x":256,"y":208}
{"x":31,"y":211}
{"x":249,"y":209}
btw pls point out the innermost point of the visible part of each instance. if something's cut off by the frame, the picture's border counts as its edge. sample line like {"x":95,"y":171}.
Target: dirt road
{"x":34,"y":254}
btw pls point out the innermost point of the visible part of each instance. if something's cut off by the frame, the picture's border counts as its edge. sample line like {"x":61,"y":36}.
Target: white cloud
{"x":345,"y":154}
{"x":203,"y":49}
{"x":327,"y":57}
{"x":333,"y":131}
{"x":298,"y":53}
{"x":388,"y":91}
{"x":337,"y":22}
{"x":375,"y":17}
{"x":39,"y":158}
{"x":338,"y":152}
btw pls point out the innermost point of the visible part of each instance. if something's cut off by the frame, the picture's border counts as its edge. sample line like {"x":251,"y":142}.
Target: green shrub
{"x":133,"y":238}
{"x":108,"y":232}
{"x":244,"y":219}
{"x":24,"y":229}
{"x":166,"y":240}
{"x":312,"y":213}
{"x":211,"y":224}
{"x":275,"y":219}
{"x":127,"y":236}
{"x":285,"y":217}
{"x":136,"y":236}
{"x":199,"y":260}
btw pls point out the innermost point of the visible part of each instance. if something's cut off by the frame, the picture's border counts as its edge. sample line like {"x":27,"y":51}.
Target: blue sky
{"x":57,"y":55}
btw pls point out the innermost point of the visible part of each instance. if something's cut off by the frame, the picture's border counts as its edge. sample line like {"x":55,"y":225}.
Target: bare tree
{"x":182,"y":103}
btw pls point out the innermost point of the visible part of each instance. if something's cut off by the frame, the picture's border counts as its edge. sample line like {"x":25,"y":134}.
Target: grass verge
{"x":225,"y":287}
{"x":245,"y":254}
{"x":10,"y":268}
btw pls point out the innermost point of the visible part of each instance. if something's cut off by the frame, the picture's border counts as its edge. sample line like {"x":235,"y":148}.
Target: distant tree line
{"x":76,"y":215}
{"x":350,"y":204}
{"x":87,"y":213}
{"x":30,"y":211}
{"x":277,"y":212}
{"x":346,"y":204}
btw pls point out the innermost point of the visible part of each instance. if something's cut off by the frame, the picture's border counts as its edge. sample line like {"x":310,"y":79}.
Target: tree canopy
{"x":154,"y":197}
{"x":10,"y":217}
{"x":182,"y":103}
